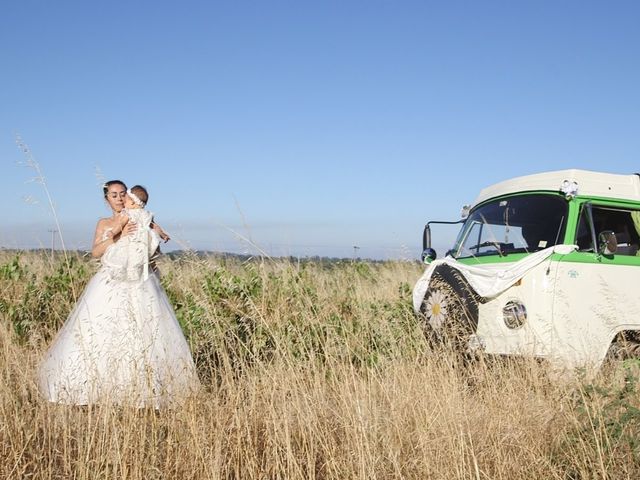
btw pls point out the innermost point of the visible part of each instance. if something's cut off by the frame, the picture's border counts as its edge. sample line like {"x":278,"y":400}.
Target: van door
{"x":597,"y":294}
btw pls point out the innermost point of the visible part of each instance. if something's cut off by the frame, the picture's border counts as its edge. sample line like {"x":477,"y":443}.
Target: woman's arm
{"x":121,"y":222}
{"x":106,"y":234}
{"x":102,"y":239}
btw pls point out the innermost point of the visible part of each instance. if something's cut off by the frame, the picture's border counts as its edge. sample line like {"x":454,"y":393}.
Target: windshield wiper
{"x":499,"y":246}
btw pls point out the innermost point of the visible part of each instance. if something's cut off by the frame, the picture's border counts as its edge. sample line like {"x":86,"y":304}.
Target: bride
{"x":122,"y":342}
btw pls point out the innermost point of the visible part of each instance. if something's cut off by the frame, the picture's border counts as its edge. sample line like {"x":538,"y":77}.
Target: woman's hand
{"x":129,"y":228}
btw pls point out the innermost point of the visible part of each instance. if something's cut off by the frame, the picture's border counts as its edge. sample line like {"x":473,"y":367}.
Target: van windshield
{"x":518,"y":224}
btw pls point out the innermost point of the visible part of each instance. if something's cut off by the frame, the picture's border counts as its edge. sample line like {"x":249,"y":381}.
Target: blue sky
{"x":307,"y":127}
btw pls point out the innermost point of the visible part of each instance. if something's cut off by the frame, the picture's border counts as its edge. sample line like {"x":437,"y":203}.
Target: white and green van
{"x":545,"y":265}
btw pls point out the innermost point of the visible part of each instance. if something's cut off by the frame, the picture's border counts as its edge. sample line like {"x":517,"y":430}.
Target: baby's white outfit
{"x":128,"y":258}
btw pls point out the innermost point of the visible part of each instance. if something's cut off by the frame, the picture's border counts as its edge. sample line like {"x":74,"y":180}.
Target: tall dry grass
{"x":311,"y":371}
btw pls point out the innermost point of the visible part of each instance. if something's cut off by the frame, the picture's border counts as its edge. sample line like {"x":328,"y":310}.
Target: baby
{"x":128,"y":258}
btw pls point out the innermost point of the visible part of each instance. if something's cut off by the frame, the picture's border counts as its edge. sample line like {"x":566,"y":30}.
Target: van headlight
{"x":514,"y":314}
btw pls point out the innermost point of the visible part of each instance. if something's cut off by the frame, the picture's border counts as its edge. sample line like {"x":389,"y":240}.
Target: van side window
{"x":624,"y":223}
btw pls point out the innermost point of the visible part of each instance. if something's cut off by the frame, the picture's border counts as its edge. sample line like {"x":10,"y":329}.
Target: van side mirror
{"x":607,"y":242}
{"x":428,"y":255}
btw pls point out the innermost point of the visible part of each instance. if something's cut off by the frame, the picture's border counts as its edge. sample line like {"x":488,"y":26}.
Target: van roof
{"x":590,"y":184}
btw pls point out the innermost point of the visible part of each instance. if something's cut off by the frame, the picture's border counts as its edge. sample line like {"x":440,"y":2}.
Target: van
{"x":545,"y":265}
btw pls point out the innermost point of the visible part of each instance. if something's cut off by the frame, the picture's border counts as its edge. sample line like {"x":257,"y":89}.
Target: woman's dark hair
{"x":105,"y":187}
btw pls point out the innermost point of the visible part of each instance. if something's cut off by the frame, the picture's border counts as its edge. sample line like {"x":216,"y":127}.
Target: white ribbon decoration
{"x":135,"y":198}
{"x":487,"y":282}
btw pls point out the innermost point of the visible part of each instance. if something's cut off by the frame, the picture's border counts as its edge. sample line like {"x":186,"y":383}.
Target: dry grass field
{"x":310,"y":371}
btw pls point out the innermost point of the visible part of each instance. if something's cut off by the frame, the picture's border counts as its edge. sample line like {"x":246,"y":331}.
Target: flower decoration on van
{"x":436,"y":309}
{"x":569,"y":188}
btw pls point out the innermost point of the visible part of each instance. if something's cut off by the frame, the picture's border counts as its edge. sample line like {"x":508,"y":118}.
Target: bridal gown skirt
{"x":121,"y":344}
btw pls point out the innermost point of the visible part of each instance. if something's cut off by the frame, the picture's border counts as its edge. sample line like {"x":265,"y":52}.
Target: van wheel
{"x":625,"y":346}
{"x":622,"y":362}
{"x":449,"y":308}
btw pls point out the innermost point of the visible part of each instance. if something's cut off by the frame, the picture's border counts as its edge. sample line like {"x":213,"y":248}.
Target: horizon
{"x":244,"y":257}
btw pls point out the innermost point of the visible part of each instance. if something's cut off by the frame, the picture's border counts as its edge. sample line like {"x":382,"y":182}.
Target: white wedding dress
{"x":122,"y":342}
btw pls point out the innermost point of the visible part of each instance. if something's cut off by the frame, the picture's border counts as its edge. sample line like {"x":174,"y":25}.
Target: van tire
{"x":450,"y":308}
{"x":625,"y":346}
